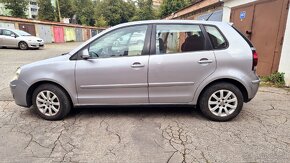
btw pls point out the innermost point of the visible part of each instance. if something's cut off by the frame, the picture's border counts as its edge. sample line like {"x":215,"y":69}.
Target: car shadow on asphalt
{"x":137,"y":111}
{"x":17,"y":49}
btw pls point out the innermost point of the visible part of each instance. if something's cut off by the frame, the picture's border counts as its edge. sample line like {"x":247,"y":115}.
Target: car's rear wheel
{"x":23,"y":45}
{"x":221,"y":102}
{"x":51,"y":102}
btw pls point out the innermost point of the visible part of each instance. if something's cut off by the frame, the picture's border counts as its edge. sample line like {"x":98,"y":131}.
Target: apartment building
{"x":31,"y":12}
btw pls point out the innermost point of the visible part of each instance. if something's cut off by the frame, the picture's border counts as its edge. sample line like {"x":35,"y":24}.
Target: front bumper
{"x":19,"y":90}
{"x":35,"y":44}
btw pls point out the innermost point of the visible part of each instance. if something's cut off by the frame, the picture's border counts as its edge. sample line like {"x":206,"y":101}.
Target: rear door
{"x":180,"y":61}
{"x":8,"y":39}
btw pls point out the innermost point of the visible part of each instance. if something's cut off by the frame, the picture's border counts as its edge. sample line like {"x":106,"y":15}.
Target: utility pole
{"x":58,"y":8}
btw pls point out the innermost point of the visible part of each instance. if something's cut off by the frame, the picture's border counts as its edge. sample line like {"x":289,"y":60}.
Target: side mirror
{"x":13,"y":35}
{"x":85,"y":54}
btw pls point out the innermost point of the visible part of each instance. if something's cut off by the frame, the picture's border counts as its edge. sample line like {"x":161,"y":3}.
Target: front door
{"x":116,"y":72}
{"x":180,"y":63}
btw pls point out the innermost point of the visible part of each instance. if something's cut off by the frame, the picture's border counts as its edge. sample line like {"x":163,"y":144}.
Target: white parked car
{"x":19,"y":39}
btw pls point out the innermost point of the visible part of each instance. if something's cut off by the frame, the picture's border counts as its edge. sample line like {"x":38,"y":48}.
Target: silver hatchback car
{"x":14,"y":38}
{"x":206,"y":64}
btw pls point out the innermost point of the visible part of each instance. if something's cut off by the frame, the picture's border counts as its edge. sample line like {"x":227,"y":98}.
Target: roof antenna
{"x":209,"y":16}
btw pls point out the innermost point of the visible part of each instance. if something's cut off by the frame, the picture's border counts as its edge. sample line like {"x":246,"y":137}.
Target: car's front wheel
{"x":51,"y":102}
{"x":23,"y":45}
{"x":221,"y":102}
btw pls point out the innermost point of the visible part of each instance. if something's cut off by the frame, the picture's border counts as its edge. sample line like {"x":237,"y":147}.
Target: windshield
{"x":21,"y":33}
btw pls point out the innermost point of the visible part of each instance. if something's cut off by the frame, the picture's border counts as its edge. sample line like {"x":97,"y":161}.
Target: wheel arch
{"x":37,"y":84}
{"x":237,"y":83}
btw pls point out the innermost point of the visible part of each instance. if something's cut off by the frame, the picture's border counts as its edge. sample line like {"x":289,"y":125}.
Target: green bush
{"x":276,"y":79}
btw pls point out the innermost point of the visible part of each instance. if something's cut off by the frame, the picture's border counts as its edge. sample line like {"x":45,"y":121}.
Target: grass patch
{"x":276,"y":79}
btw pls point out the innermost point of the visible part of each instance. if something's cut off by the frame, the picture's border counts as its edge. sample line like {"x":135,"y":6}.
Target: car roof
{"x":171,"y":22}
{"x":9,"y":29}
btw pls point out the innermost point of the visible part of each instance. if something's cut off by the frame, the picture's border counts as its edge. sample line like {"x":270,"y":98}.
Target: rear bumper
{"x":254,"y":89}
{"x":19,"y":89}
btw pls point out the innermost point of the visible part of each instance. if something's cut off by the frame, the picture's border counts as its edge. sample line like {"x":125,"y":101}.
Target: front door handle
{"x":137,"y":65}
{"x":205,"y":61}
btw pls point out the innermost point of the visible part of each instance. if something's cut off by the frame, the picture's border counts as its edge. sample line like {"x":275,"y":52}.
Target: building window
{"x":33,"y":3}
{"x":33,"y":9}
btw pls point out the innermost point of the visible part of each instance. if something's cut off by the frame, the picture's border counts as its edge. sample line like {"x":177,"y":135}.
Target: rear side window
{"x":7,"y":32}
{"x":217,"y":39}
{"x":179,"y":39}
{"x":245,"y":38}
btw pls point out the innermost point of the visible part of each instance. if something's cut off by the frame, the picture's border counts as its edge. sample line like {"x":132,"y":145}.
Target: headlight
{"x":16,"y":76}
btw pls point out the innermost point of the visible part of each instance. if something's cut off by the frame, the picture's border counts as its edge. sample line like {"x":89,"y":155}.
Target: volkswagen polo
{"x":206,"y":64}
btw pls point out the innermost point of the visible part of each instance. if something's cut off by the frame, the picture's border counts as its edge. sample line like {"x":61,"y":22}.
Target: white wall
{"x":228,"y":4}
{"x":284,"y":65}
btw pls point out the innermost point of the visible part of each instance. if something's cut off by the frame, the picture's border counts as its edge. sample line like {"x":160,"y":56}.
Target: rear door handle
{"x":137,"y":65}
{"x":205,"y":61}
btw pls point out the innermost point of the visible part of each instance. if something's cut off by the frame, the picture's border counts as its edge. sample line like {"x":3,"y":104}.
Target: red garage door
{"x":58,"y":34}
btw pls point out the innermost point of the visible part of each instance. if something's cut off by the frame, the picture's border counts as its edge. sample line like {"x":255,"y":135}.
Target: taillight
{"x":255,"y":59}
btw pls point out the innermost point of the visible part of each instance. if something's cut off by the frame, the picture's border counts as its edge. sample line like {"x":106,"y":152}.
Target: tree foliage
{"x":115,"y":11}
{"x":46,"y":10}
{"x":84,"y":12}
{"x":17,"y":8}
{"x":101,"y":22}
{"x":67,"y":8}
{"x":169,"y":6}
{"x":145,"y":10}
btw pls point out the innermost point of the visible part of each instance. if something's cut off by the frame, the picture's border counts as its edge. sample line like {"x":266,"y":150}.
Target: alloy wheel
{"x":222,"y":103}
{"x":47,"y":103}
{"x":23,"y":45}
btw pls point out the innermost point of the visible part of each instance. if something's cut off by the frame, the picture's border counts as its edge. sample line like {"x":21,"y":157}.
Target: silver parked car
{"x":205,"y":64}
{"x":14,"y":38}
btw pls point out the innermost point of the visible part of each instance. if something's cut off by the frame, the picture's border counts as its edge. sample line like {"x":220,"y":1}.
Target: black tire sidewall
{"x":203,"y":102}
{"x":65,"y":104}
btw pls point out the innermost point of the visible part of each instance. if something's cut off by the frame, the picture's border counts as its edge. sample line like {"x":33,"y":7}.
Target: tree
{"x":85,"y":12}
{"x":46,"y":10}
{"x":101,"y":22}
{"x":170,"y":6}
{"x":145,"y":10}
{"x":115,"y":11}
{"x":17,"y":7}
{"x":67,"y":8}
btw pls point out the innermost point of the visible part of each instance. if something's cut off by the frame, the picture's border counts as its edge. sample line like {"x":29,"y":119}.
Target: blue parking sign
{"x":242,"y":14}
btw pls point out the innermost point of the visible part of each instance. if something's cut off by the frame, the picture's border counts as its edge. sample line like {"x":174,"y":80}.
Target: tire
{"x":54,"y":108}
{"x":23,"y":45}
{"x":221,"y":109}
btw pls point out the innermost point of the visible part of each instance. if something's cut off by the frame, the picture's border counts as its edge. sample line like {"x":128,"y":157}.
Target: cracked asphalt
{"x":261,"y":133}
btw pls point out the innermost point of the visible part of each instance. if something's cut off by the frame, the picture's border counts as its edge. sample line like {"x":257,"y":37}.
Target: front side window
{"x":121,"y":42}
{"x":7,"y":32}
{"x":179,"y":39}
{"x":216,"y":38}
